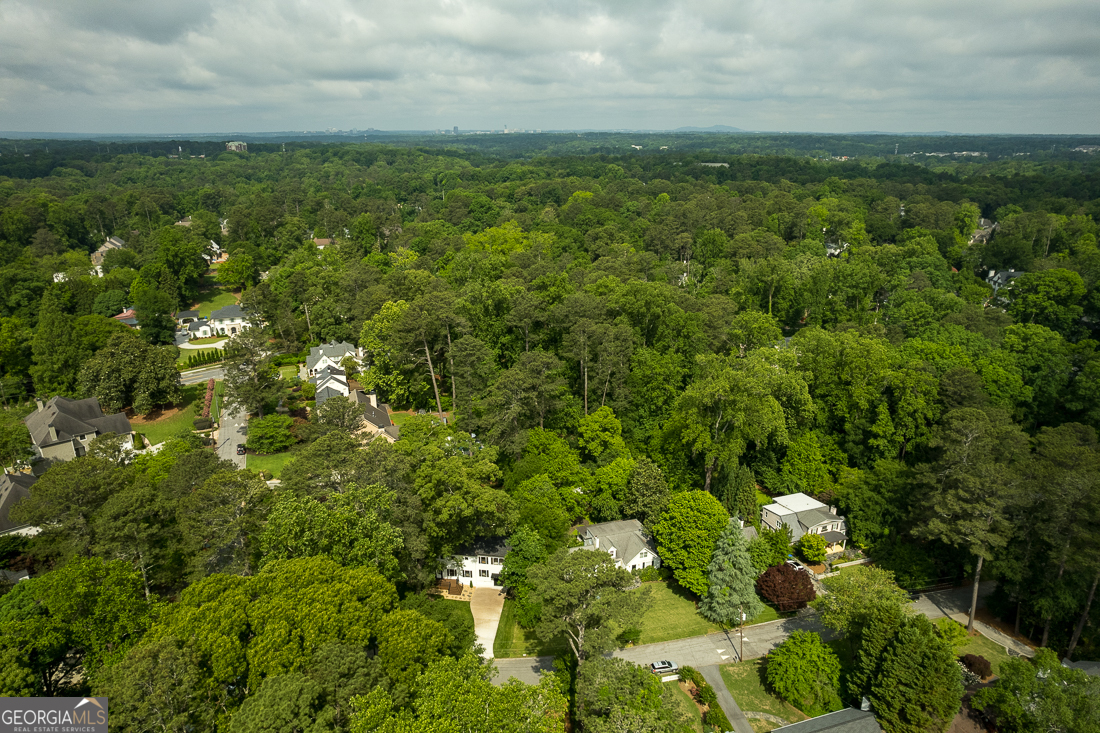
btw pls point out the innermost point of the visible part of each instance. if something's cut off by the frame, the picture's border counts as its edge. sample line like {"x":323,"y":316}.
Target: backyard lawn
{"x":210,"y":340}
{"x":273,"y":463}
{"x":745,"y":681}
{"x":672,"y":615}
{"x":288,"y":372}
{"x":180,"y":418}
{"x":212,"y":300}
{"x":985,"y":647}
{"x":513,"y":640}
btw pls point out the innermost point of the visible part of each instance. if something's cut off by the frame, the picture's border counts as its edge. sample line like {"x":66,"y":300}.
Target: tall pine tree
{"x":732,"y":580}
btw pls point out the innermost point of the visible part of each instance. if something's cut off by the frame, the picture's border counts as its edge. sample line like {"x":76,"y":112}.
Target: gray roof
{"x":813,"y":517}
{"x":187,"y":314}
{"x":326,"y":393}
{"x":332,"y":350}
{"x":379,"y":416}
{"x":749,"y":532}
{"x":492,"y":547}
{"x":627,"y":536}
{"x":394,"y":431}
{"x":70,"y":418}
{"x":230,"y":311}
{"x":196,"y":325}
{"x":849,"y":720}
{"x":1089,"y":668}
{"x":834,"y":537}
{"x":13,"y":487}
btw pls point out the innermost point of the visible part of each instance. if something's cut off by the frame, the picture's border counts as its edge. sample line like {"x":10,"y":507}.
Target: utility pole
{"x":741,"y":654}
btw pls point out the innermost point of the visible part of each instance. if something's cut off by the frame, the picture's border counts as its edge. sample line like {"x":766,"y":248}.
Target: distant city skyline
{"x":119,"y":67}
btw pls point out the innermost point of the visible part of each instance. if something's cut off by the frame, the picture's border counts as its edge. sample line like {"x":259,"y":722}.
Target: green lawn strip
{"x":161,"y":430}
{"x":745,"y":682}
{"x":687,"y":705}
{"x":512,"y":640}
{"x":212,"y":300}
{"x":215,"y":404}
{"x":985,"y":647}
{"x":209,"y":340}
{"x":671,"y":614}
{"x":273,"y":463}
{"x":399,"y":417}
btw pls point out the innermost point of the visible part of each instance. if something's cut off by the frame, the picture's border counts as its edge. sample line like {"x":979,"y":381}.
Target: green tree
{"x":408,"y":642}
{"x":56,"y":348}
{"x":270,"y":434}
{"x":731,"y":589}
{"x":806,"y":673}
{"x":973,"y":484}
{"x":812,"y":548}
{"x":377,"y":339}
{"x":583,"y":596}
{"x":221,"y":521}
{"x":340,"y":413}
{"x":238,"y":271}
{"x":646,"y":495}
{"x":1040,"y":694}
{"x":350,"y":527}
{"x":616,"y":695}
{"x":129,"y":372}
{"x":527,"y":550}
{"x":686,"y":535}
{"x":1050,"y":298}
{"x":601,"y":433}
{"x":540,"y":506}
{"x":855,"y":595}
{"x":136,"y":525}
{"x":525,"y":395}
{"x":251,"y":379}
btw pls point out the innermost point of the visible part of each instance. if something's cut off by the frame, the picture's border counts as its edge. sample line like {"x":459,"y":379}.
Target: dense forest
{"x":604,"y":331}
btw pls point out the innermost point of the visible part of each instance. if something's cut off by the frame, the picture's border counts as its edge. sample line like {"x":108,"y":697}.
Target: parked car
{"x":240,"y":449}
{"x":798,"y":566}
{"x":664,"y":667}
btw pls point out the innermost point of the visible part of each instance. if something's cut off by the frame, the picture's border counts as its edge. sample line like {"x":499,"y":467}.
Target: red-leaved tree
{"x":786,"y":588}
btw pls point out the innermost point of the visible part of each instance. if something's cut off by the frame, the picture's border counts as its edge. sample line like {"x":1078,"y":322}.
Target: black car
{"x":240,"y":449}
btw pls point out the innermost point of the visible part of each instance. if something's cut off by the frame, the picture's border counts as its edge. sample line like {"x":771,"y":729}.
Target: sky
{"x":206,"y":66}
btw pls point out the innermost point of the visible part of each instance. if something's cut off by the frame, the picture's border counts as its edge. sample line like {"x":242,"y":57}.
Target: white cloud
{"x":831,"y":65}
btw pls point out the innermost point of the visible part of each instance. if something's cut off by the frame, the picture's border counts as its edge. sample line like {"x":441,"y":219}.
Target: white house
{"x":480,"y":564}
{"x":331,"y":382}
{"x":227,"y":321}
{"x":625,"y":540}
{"x":331,"y":354}
{"x":805,"y":515}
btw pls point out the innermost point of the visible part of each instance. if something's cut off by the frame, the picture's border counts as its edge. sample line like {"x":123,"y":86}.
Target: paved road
{"x":233,"y":430}
{"x":725,"y":647}
{"x":197,"y":376}
{"x":713,"y":676}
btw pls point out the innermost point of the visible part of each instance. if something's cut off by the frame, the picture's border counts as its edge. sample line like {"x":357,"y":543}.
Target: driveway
{"x":486,"y":606}
{"x":233,"y":430}
{"x":713,"y":676}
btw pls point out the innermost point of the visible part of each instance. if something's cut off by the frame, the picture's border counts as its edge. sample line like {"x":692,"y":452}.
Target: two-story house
{"x":479,"y":564}
{"x":626,"y":541}
{"x":331,"y":354}
{"x":330,"y":382}
{"x":805,"y":515}
{"x":227,"y":321}
{"x":61,"y":429}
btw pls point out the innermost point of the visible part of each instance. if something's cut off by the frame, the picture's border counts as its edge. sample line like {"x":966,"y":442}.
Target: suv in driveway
{"x":664,"y":667}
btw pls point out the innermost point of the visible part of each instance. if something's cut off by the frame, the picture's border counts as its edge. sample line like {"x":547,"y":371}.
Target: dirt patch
{"x":969,"y":720}
{"x":155,"y":416}
{"x":986,"y":617}
{"x":817,"y":569}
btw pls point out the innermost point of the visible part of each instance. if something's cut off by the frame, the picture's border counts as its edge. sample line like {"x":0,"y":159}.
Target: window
{"x":644,"y":554}
{"x":482,"y":560}
{"x":633,"y":567}
{"x":483,"y":573}
{"x":467,"y":573}
{"x":451,"y":573}
{"x":498,"y":561}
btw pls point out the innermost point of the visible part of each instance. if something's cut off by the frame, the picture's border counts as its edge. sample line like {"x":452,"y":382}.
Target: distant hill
{"x":712,"y":128}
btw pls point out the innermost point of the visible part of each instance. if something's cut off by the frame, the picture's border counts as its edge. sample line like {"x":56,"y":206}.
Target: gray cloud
{"x":830,"y":65}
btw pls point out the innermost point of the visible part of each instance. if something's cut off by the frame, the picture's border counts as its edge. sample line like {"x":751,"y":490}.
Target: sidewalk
{"x":713,"y":676}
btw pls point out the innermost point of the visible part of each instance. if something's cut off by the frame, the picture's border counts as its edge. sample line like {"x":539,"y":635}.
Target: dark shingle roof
{"x":627,"y":536}
{"x":379,"y":417}
{"x":70,"y":418}
{"x":13,"y":488}
{"x":493,"y":547}
{"x":230,"y":311}
{"x":187,"y":314}
{"x":333,"y":350}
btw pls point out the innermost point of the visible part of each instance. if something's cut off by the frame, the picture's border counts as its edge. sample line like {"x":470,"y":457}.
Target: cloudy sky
{"x":164,"y":66}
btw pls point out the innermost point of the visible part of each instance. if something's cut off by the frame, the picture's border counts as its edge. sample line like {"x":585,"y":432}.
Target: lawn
{"x":212,"y":300}
{"x":161,"y":429}
{"x":671,"y":614}
{"x":745,"y":682}
{"x":987,"y":648}
{"x":273,"y":463}
{"x":209,"y":340}
{"x":513,"y":640}
{"x":288,"y":372}
{"x":687,"y":705}
{"x":399,"y":417}
{"x":215,"y":404}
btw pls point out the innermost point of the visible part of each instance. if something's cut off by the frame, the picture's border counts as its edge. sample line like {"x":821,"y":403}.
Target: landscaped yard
{"x":213,"y":299}
{"x":210,"y":340}
{"x":987,"y":648}
{"x":513,"y":640}
{"x":690,"y":709}
{"x":273,"y":463}
{"x":671,"y":614}
{"x":288,"y":372}
{"x":745,"y":682}
{"x":177,"y":419}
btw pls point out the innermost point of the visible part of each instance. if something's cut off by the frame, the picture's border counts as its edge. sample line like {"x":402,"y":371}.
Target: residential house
{"x":849,"y":720}
{"x":13,"y":488}
{"x":61,"y":429}
{"x":1001,"y":279}
{"x":237,"y":147}
{"x":111,"y":243}
{"x":479,"y":564}
{"x":1090,"y":668}
{"x":626,"y":541}
{"x":331,"y":382}
{"x":214,"y":254}
{"x":376,"y":416}
{"x":228,"y":321}
{"x":322,"y":243}
{"x":330,"y":354}
{"x":185,"y":318}
{"x":199,"y":329}
{"x":129,"y":317}
{"x":805,"y":515}
{"x":184,"y":222}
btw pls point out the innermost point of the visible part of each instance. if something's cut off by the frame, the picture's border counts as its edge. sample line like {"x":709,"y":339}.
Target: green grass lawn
{"x":671,"y":614}
{"x":210,"y":340}
{"x":987,"y":648}
{"x":273,"y":463}
{"x":212,"y":300}
{"x":745,"y":682}
{"x":288,"y":372}
{"x":397,"y":418}
{"x":215,"y":405}
{"x":161,"y":430}
{"x":513,"y":640}
{"x":687,"y":705}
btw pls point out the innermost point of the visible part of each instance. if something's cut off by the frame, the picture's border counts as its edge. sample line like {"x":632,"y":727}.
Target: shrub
{"x":270,"y":434}
{"x":717,"y":718}
{"x":968,"y":677}
{"x":812,"y":548}
{"x":977,"y":664}
{"x":706,"y":695}
{"x":630,"y":636}
{"x":648,"y":574}
{"x":309,"y":390}
{"x":788,"y":589}
{"x":202,"y":423}
{"x":805,"y":672}
{"x":692,"y":675}
{"x":952,"y":632}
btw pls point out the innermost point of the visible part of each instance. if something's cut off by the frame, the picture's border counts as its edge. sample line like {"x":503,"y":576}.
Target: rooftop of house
{"x":492,"y":547}
{"x":377,"y":415}
{"x":230,"y":311}
{"x":849,"y":720}
{"x":1090,"y":668}
{"x":187,"y":314}
{"x":330,"y":374}
{"x":795,"y":503}
{"x":197,"y":325}
{"x":13,"y":488}
{"x":627,"y":536}
{"x":333,"y":350}
{"x":70,"y":418}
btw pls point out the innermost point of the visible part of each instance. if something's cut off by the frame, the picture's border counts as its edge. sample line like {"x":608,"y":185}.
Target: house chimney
{"x":53,"y":433}
{"x":40,"y":403}
{"x":373,"y":399}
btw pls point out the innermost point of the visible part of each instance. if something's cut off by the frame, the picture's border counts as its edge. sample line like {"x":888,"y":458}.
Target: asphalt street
{"x":196,"y":376}
{"x":233,"y":430}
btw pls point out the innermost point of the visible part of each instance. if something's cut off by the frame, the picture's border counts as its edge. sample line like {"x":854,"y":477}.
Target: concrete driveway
{"x":486,"y":606}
